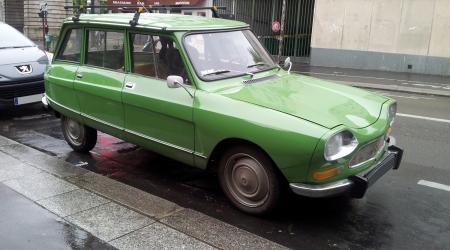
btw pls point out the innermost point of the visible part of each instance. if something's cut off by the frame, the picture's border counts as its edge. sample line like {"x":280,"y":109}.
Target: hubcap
{"x":74,"y":132}
{"x":247,"y":180}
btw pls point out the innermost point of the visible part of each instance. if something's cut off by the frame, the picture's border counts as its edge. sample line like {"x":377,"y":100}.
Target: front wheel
{"x":248,"y":178}
{"x":80,"y":137}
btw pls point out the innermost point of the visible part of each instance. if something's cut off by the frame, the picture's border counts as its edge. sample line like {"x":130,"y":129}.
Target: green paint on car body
{"x":289,"y":117}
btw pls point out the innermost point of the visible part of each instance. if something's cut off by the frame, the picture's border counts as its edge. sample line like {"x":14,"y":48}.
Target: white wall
{"x":412,"y":27}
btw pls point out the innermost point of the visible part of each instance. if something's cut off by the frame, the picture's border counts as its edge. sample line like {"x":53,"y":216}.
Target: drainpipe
{"x":283,"y":18}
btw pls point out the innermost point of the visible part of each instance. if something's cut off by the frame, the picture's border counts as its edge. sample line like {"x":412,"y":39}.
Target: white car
{"x":22,"y":66}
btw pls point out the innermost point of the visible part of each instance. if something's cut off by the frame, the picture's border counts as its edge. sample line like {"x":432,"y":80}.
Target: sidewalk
{"x":115,"y":213}
{"x":371,"y":79}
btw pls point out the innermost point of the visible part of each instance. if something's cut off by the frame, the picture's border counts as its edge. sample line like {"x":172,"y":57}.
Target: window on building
{"x":71,"y":47}
{"x":105,"y":49}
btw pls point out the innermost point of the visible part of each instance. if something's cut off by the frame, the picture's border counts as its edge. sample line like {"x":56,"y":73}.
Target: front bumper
{"x":356,"y":185}
{"x":27,"y":87}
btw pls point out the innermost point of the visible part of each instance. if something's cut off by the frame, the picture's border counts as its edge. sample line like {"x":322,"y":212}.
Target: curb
{"x":396,"y":88}
{"x":120,"y":215}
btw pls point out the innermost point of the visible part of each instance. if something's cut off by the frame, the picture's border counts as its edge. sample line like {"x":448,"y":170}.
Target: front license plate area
{"x":27,"y":99}
{"x":361,"y":183}
{"x":387,"y":164}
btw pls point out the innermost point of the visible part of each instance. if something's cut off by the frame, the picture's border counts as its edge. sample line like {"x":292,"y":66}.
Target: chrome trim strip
{"x":200,"y":155}
{"x":102,"y":121}
{"x":62,"y":106}
{"x":159,"y":141}
{"x":131,"y":131}
{"x":325,"y":190}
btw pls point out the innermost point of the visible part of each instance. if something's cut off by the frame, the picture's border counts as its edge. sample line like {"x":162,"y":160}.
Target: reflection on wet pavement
{"x":26,"y":225}
{"x":380,"y":220}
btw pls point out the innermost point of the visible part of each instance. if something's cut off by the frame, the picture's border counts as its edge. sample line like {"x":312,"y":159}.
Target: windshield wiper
{"x":223,"y":71}
{"x":217,"y":72}
{"x":257,"y":64}
{"x":16,"y":47}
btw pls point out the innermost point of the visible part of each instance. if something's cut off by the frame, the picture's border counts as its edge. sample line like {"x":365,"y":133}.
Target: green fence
{"x":261,"y":13}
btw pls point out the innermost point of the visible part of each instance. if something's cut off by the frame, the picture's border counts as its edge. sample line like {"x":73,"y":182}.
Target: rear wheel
{"x":80,"y":137}
{"x":249,"y":180}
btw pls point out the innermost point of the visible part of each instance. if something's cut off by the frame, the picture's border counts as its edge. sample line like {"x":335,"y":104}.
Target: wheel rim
{"x":74,"y":132}
{"x":247,"y":180}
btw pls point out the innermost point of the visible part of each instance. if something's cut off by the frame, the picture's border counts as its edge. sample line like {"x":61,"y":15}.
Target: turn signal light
{"x":389,"y":132}
{"x":323,"y":175}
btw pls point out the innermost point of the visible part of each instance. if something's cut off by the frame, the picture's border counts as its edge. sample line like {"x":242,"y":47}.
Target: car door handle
{"x":129,"y":85}
{"x":79,"y":76}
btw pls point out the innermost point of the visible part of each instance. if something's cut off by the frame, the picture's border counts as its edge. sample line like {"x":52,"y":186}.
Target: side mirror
{"x":288,"y":64}
{"x":174,"y":81}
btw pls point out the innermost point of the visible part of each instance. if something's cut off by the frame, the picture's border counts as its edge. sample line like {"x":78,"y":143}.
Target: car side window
{"x":168,"y":58}
{"x":105,"y":49}
{"x":142,"y":55}
{"x":71,"y":47}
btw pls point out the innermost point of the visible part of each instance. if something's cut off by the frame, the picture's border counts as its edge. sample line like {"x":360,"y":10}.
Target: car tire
{"x":249,"y":179}
{"x":80,"y":138}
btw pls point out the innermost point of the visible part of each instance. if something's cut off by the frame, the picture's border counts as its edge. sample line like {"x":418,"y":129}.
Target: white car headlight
{"x":392,"y":113}
{"x":49,"y":57}
{"x":340,"y":145}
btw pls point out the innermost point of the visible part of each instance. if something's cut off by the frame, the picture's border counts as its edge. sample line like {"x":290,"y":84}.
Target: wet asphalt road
{"x":396,"y":213}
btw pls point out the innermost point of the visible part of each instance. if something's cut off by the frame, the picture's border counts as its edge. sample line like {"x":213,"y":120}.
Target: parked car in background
{"x":22,"y":66}
{"x":205,"y":92}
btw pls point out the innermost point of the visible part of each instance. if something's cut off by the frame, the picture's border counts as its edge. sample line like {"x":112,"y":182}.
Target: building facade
{"x":389,"y":35}
{"x":23,"y":15}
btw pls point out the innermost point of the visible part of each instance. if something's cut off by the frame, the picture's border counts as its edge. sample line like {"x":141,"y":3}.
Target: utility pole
{"x":43,"y":14}
{"x":283,"y":18}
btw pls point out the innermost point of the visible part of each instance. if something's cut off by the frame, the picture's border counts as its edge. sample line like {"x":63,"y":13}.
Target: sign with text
{"x":152,"y":2}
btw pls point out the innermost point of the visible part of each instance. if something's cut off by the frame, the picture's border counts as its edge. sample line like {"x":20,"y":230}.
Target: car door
{"x":99,"y":80}
{"x":158,"y":117}
{"x":61,"y":73}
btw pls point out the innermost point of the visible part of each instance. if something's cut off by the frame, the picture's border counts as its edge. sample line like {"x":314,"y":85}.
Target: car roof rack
{"x":79,"y":9}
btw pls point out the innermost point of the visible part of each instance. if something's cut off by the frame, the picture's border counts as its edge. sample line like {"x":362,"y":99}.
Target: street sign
{"x":276,"y":26}
{"x":43,"y":6}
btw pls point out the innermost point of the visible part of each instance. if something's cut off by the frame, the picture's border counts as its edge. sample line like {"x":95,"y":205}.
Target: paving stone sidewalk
{"x":123,"y":216}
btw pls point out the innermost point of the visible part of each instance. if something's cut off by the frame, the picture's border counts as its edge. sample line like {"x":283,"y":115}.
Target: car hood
{"x":324,"y":103}
{"x":10,"y":58}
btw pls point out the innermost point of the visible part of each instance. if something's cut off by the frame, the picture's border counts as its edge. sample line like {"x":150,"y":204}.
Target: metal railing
{"x":261,"y":13}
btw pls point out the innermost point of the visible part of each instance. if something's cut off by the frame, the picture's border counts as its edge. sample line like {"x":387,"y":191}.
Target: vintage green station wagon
{"x":205,"y":92}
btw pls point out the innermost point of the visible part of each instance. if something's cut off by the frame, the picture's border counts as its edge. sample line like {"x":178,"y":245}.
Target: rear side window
{"x":142,"y":55}
{"x":71,"y":48}
{"x":105,"y":49}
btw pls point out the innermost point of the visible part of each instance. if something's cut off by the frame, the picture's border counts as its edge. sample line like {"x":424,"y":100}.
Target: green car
{"x":205,"y":92}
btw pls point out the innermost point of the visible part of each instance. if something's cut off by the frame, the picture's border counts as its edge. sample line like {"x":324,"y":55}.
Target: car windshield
{"x":13,"y":39}
{"x":221,"y":55}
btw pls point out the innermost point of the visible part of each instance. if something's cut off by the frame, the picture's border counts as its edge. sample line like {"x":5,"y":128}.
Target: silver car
{"x":22,"y":66}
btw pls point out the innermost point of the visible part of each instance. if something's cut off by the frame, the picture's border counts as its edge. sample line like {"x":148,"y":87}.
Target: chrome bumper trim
{"x":325,"y":190}
{"x":356,"y":185}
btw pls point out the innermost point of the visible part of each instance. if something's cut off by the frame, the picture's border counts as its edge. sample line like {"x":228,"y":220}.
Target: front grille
{"x":368,"y":152}
{"x":17,"y":89}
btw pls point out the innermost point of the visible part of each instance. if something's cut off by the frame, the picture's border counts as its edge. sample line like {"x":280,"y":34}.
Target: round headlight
{"x":340,"y":145}
{"x":392,"y":113}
